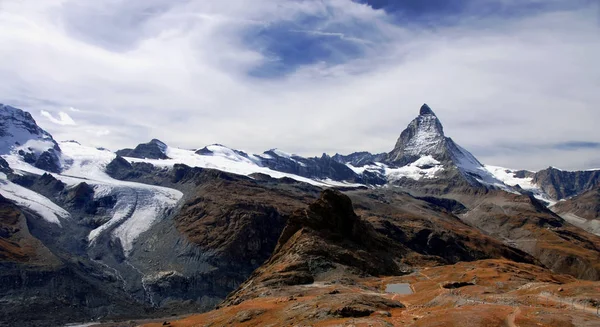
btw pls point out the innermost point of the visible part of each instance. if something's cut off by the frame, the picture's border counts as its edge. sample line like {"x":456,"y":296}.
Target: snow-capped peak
{"x":18,"y":130}
{"x":426,"y":110}
{"x":423,"y":136}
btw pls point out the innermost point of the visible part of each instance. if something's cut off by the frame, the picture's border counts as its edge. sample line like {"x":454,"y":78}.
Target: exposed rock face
{"x":359,"y":159}
{"x":561,"y":184}
{"x":585,"y":205}
{"x":45,"y":185}
{"x":429,"y":228}
{"x":582,"y":210}
{"x":4,"y":167}
{"x":155,"y":149}
{"x":328,"y":242}
{"x":226,"y":227}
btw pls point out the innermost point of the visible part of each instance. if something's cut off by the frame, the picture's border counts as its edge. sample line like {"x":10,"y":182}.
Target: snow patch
{"x":425,"y":167}
{"x":508,"y":177}
{"x":47,"y":209}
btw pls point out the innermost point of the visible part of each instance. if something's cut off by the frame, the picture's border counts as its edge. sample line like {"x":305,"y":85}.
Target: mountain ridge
{"x":176,"y":229}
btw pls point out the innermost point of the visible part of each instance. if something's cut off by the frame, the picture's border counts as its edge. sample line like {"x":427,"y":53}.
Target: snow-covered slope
{"x":522,"y":179}
{"x":138,"y":205}
{"x":225,"y":159}
{"x":47,"y":209}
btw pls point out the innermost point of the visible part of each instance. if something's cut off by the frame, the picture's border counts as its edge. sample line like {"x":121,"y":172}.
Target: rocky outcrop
{"x":155,"y":149}
{"x":323,"y":242}
{"x":45,"y":184}
{"x":429,"y":227}
{"x":4,"y":167}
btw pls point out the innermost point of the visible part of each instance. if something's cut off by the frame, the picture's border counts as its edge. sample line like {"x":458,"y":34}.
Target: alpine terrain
{"x":424,"y":235}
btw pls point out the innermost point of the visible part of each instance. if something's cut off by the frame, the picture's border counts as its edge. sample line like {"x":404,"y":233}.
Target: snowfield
{"x":425,"y":167}
{"x":508,"y":177}
{"x":138,"y":205}
{"x":47,"y":209}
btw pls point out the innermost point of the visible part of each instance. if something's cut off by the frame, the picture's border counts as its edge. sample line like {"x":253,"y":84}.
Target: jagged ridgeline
{"x":153,"y":230}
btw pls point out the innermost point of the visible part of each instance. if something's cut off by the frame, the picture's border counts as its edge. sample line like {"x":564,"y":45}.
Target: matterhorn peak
{"x":423,"y":136}
{"x":426,"y":110}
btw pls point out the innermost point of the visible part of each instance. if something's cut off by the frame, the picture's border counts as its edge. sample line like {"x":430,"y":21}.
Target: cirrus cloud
{"x":62,"y":119}
{"x":310,"y":76}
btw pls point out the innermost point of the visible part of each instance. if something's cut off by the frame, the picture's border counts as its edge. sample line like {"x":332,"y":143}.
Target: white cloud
{"x":63,"y":118}
{"x":177,"y":71}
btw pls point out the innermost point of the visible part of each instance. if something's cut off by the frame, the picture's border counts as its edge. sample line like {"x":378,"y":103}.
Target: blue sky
{"x":514,"y":81}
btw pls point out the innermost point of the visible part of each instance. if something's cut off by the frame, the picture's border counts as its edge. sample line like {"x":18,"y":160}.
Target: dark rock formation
{"x":155,"y":149}
{"x":4,"y":167}
{"x":45,"y":184}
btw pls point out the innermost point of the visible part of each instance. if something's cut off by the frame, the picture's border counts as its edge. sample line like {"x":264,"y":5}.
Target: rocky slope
{"x":467,"y":294}
{"x":585,"y":205}
{"x":582,"y":210}
{"x":525,"y":223}
{"x":328,"y":242}
{"x":331,"y":267}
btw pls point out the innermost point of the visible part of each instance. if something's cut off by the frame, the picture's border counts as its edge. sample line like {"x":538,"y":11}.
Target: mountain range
{"x":88,"y":234}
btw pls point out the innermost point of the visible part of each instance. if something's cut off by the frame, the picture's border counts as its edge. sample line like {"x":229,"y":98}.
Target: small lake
{"x":398,"y":288}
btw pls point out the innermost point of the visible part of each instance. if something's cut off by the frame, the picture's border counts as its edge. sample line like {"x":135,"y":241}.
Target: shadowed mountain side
{"x":523,"y":222}
{"x":586,"y":205}
{"x":328,"y":242}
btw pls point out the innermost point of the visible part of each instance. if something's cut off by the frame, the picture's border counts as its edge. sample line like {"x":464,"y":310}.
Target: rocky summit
{"x":423,"y":235}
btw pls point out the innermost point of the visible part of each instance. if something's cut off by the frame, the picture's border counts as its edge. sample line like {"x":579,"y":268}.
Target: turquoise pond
{"x":398,"y":289}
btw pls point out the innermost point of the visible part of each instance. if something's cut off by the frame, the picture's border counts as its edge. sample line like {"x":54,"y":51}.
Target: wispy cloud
{"x":63,"y":118}
{"x":196,"y":72}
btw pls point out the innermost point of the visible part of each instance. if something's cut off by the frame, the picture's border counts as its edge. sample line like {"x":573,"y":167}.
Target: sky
{"x":516,"y":82}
